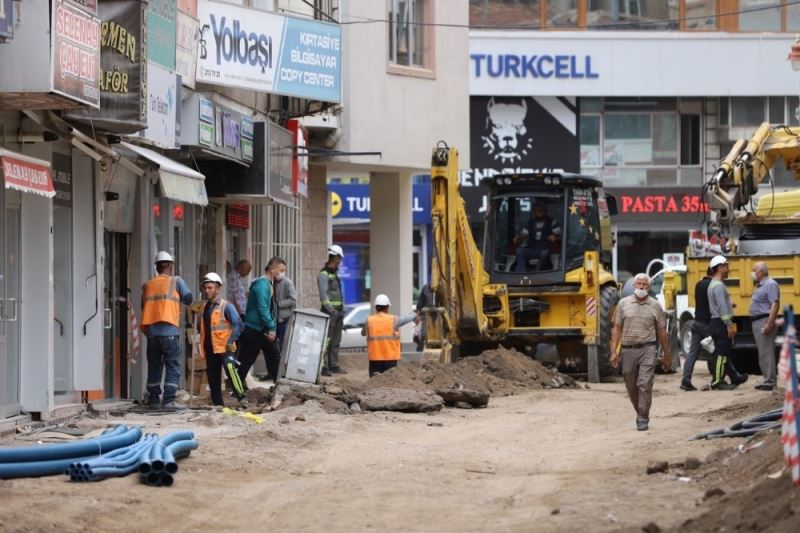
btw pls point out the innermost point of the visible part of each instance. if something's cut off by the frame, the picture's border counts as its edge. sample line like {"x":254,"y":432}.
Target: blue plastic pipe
{"x":38,"y":468}
{"x":120,"y":436}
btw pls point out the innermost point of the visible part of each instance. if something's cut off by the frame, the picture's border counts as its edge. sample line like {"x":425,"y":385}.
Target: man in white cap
{"x":332,"y":302}
{"x":161,"y":319}
{"x":722,"y":327}
{"x":383,"y":336}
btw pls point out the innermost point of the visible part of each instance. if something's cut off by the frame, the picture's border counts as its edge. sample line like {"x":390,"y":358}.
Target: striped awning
{"x":178,"y":182}
{"x":26,"y":174}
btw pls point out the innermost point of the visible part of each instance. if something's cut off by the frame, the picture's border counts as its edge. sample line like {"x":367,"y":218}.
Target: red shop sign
{"x":237,"y":216}
{"x":27,"y":174}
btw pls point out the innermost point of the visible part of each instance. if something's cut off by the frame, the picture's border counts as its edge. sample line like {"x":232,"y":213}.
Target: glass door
{"x":9,"y":303}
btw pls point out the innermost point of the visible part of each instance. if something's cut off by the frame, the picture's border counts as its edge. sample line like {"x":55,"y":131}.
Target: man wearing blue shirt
{"x":763,"y":312}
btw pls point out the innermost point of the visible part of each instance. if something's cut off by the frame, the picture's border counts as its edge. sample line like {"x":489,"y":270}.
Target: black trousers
{"x":723,"y":349}
{"x":251,"y":342}
{"x":215,"y":364}
{"x":379,"y":367}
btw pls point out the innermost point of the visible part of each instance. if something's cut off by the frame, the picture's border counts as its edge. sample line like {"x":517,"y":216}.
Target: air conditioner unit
{"x":320,"y":121}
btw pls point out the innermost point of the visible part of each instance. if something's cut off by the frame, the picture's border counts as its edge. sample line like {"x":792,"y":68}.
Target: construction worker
{"x":259,"y":327}
{"x":723,"y":330}
{"x":332,"y":300}
{"x":220,"y":327}
{"x":383,"y":336}
{"x":161,"y":317}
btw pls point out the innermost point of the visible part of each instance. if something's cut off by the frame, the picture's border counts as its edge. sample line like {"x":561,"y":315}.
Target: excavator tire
{"x":609,"y":297}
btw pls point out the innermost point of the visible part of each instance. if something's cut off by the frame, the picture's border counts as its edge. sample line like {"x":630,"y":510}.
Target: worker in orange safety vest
{"x":383,"y":336}
{"x":162,"y":296}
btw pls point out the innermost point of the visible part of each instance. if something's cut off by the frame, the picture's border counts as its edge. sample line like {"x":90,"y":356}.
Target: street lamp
{"x":794,"y":54}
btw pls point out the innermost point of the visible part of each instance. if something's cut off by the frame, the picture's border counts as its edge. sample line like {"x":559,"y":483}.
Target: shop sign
{"x":163,"y":103}
{"x":218,"y":128}
{"x":27,"y":176}
{"x":279,"y":164}
{"x":237,"y":216}
{"x":188,"y":6}
{"x":647,"y":204}
{"x":6,"y":19}
{"x":352,"y":201}
{"x":87,"y":5}
{"x":161,"y":30}
{"x":299,"y":158}
{"x":76,"y":54}
{"x":570,"y":66}
{"x":264,"y":51}
{"x":187,"y":35}
{"x":62,"y":179}
{"x":123,"y":97}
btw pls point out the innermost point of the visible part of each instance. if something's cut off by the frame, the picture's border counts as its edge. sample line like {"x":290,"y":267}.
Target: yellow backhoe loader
{"x":543,"y":276}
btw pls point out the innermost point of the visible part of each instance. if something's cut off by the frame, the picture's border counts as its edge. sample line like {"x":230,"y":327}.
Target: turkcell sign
{"x":545,"y":66}
{"x":251,"y":49}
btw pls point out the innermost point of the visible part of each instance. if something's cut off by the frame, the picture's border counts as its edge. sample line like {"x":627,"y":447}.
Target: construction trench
{"x":497,"y":442}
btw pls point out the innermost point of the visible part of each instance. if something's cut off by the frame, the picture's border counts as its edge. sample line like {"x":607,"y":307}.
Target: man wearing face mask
{"x":259,"y":327}
{"x":285,"y":296}
{"x":332,"y":300}
{"x":763,"y":312}
{"x":638,"y":320}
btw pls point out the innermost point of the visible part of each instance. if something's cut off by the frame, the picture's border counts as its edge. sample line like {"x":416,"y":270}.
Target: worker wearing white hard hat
{"x":716,"y":261}
{"x":382,"y":331}
{"x":332,"y":303}
{"x":162,"y":296}
{"x":722,"y":327}
{"x":220,"y":327}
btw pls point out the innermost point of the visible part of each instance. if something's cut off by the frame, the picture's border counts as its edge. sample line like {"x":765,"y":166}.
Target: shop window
{"x":641,"y":139}
{"x":407,"y":33}
{"x":690,"y":139}
{"x":640,"y":104}
{"x":590,"y":140}
{"x":630,"y":15}
{"x":747,"y":111}
{"x":700,"y":14}
{"x":505,"y":13}
{"x":777,"y":109}
{"x":591,"y":105}
{"x":562,"y":13}
{"x":759,"y":15}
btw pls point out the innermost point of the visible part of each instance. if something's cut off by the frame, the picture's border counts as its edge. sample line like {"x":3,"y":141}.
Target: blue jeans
{"x":163,"y":352}
{"x":281,"y":332}
{"x":536,"y":250}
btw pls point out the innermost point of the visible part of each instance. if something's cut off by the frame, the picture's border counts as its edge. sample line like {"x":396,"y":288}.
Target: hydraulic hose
{"x":745,"y":428}
{"x":120,"y":436}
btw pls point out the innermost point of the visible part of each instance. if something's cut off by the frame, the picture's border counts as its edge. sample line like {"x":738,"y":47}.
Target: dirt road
{"x":548,"y":460}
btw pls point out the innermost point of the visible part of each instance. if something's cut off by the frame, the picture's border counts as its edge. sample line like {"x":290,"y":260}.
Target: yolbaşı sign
{"x":76,"y":53}
{"x":251,"y":49}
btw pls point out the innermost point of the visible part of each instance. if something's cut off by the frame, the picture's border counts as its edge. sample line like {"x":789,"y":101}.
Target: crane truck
{"x":767,"y":232}
{"x":501,"y":296}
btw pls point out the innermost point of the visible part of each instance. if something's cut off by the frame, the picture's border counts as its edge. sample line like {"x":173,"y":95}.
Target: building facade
{"x":649,"y":97}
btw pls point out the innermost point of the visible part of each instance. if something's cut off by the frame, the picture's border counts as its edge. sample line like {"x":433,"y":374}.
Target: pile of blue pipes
{"x":117,"y":452}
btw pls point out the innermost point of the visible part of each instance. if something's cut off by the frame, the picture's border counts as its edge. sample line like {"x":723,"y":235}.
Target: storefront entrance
{"x":116,"y":322}
{"x":10,"y":203}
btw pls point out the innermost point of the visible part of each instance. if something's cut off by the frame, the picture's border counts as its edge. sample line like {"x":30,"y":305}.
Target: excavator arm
{"x":458,"y":277}
{"x":748,"y":164}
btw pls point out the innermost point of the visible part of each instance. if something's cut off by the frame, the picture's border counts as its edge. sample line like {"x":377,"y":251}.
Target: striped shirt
{"x":639,"y":320}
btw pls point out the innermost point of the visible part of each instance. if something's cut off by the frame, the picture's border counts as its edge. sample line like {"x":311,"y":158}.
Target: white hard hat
{"x":213,"y":277}
{"x":717,"y":260}
{"x":163,"y":256}
{"x":382,"y":299}
{"x":335,"y":249}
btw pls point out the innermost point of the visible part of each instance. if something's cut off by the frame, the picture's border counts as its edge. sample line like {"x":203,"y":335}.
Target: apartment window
{"x":630,"y":15}
{"x":767,"y":18}
{"x":793,"y":17}
{"x":641,"y":139}
{"x":590,"y":141}
{"x":777,"y":109}
{"x":562,"y":13}
{"x":505,"y":13}
{"x":746,"y":111}
{"x":724,"y":110}
{"x":793,"y":115}
{"x":407,"y":33}
{"x":700,"y":14}
{"x":690,"y":140}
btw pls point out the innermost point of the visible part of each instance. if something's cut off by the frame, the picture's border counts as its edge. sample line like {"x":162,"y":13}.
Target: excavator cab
{"x":538,"y":227}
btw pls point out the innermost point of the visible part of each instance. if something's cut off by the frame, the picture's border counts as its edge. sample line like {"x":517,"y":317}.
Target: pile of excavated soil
{"x":498,"y":372}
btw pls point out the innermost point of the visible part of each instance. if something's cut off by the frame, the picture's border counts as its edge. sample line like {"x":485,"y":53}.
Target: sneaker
{"x":740,"y":379}
{"x":641,"y":425}
{"x":723,"y":386}
{"x":764,"y":387}
{"x":338,"y":370}
{"x":173,"y":406}
{"x":326,"y":372}
{"x":687,"y":386}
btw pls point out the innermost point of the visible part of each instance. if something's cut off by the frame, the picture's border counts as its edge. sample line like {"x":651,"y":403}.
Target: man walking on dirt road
{"x":638,"y":320}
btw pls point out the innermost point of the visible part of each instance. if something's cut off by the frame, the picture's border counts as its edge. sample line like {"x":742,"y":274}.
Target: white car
{"x":355,"y":315}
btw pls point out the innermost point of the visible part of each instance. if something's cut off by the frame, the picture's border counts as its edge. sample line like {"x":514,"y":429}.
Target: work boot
{"x":154,"y":404}
{"x":338,"y":370}
{"x":687,"y":386}
{"x":764,"y":387}
{"x":173,"y":406}
{"x":641,"y":425}
{"x":738,"y":380}
{"x":722,"y":385}
{"x":325,"y":372}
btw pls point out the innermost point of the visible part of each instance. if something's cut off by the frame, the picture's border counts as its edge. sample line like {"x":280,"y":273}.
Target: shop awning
{"x":178,"y":182}
{"x":27,"y":174}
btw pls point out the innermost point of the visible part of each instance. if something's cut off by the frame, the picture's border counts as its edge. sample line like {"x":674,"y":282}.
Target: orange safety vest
{"x":383,"y":339}
{"x":161,"y":301}
{"x":221,"y":329}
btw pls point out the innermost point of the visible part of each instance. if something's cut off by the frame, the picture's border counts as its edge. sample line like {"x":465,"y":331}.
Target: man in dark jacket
{"x":699,"y":329}
{"x":259,"y":328}
{"x":542,"y":233}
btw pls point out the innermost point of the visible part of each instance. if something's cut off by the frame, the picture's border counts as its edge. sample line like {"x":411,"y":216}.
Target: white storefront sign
{"x":162,"y":107}
{"x":188,"y":35}
{"x":630,"y":64}
{"x":263,"y":51}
